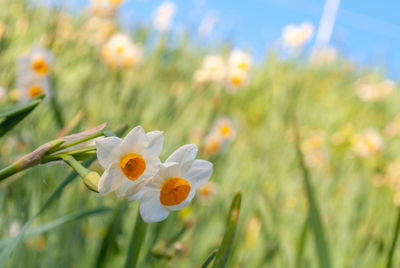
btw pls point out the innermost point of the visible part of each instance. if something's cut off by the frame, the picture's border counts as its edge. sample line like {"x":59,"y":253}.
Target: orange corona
{"x":133,"y":166}
{"x":174,"y":191}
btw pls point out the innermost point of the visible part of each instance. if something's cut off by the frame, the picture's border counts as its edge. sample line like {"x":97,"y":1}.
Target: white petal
{"x":189,"y":198}
{"x":151,"y":209}
{"x":166,"y":171}
{"x":199,"y":172}
{"x":111,"y":179}
{"x":185,"y":153}
{"x":108,"y":150}
{"x":127,"y":188}
{"x":135,"y":142}
{"x":156,"y":141}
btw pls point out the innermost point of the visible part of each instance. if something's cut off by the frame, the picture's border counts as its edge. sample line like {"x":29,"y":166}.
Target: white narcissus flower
{"x":128,"y":162}
{"x":120,"y":51}
{"x":240,"y":60}
{"x":175,"y":184}
{"x":30,"y":86}
{"x":36,"y":62}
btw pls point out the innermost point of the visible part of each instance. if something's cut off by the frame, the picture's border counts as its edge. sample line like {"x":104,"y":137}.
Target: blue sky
{"x":366,"y":31}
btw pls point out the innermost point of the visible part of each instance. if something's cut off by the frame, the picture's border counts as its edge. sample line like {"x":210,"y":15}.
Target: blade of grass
{"x":313,"y":212}
{"x":210,"y":258}
{"x":114,"y":228}
{"x":301,"y":244}
{"x":227,"y":242}
{"x":56,"y":223}
{"x":137,"y":238}
{"x":394,"y":241}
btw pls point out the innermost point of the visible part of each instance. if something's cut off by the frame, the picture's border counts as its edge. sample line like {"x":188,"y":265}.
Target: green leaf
{"x":10,"y":117}
{"x":114,"y":228}
{"x":56,"y":223}
{"x":314,"y":217}
{"x":394,"y":241}
{"x":210,"y":258}
{"x":227,"y":242}
{"x":136,"y":242}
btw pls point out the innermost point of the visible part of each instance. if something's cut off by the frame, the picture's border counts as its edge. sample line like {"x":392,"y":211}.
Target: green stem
{"x":88,"y":138}
{"x":9,"y":170}
{"x":136,"y":242}
{"x":394,"y":241}
{"x":76,"y":152}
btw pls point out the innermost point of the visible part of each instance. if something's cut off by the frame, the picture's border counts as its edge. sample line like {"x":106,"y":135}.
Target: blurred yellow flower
{"x":369,"y":91}
{"x":225,"y":128}
{"x":252,"y":231}
{"x":163,"y":15}
{"x":367,"y":143}
{"x":314,"y":149}
{"x":296,"y":36}
{"x":207,"y":191}
{"x":393,"y":128}
{"x":213,"y":145}
{"x":120,"y":51}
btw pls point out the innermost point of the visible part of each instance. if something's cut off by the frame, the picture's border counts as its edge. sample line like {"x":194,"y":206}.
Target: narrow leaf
{"x":227,"y":242}
{"x":12,"y":116}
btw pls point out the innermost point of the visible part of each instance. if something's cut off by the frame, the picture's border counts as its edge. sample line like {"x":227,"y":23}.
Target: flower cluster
{"x":296,"y":36}
{"x":370,"y":91}
{"x":33,"y":71}
{"x":120,"y":52}
{"x":134,"y":171}
{"x":222,"y":132}
{"x":234,"y":73}
{"x":367,"y":143}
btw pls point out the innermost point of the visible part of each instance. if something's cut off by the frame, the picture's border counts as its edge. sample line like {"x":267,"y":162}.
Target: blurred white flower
{"x":175,"y":184}
{"x":128,"y":162}
{"x":213,"y":70}
{"x":163,"y":16}
{"x":370,"y":91}
{"x":296,"y":36}
{"x":239,"y":59}
{"x":367,"y":143}
{"x":225,"y":128}
{"x":37,"y":62}
{"x":236,"y":79}
{"x":30,"y":85}
{"x":120,"y":51}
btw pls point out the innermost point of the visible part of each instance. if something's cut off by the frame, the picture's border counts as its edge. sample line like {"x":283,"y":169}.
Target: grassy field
{"x":354,"y":193}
